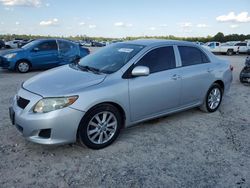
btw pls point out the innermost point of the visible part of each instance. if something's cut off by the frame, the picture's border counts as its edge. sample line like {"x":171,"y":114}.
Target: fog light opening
{"x":45,"y":133}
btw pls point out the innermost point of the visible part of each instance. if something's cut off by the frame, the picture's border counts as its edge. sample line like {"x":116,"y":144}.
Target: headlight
{"x":49,"y":104}
{"x":9,"y":56}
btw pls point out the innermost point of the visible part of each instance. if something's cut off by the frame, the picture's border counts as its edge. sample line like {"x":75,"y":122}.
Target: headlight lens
{"x":50,"y":104}
{"x":9,"y":56}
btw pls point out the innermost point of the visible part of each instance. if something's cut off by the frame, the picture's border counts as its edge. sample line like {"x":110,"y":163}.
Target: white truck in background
{"x":244,"y":47}
{"x":228,"y":48}
{"x":12,"y":43}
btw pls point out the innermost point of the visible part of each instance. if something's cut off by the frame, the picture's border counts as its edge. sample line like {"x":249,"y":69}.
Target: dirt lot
{"x":188,"y":149}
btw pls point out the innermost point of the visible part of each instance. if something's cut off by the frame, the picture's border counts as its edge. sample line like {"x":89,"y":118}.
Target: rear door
{"x":197,"y":75}
{"x":45,"y":54}
{"x":242,"y":47}
{"x":160,"y":90}
{"x":68,"y":51}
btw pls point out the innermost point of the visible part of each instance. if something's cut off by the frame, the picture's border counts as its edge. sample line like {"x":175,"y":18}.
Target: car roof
{"x":154,"y":42}
{"x":47,"y":39}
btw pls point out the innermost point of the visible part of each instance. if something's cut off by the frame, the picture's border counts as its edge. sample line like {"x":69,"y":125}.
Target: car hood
{"x":4,"y":52}
{"x":62,"y":81}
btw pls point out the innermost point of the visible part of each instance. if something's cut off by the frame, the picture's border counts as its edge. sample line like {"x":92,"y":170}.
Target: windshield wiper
{"x":88,"y":68}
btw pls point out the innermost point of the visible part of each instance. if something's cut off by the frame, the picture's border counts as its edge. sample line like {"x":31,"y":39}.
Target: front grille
{"x":22,"y":103}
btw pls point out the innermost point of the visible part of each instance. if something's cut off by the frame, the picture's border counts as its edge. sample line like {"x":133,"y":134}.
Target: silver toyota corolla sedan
{"x":118,"y":86}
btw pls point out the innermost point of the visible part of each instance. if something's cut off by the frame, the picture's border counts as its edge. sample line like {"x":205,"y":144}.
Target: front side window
{"x":159,"y":59}
{"x":192,"y":56}
{"x":47,"y":46}
{"x":111,"y":58}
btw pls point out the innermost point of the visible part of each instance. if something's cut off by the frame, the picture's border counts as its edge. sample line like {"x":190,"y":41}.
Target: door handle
{"x":176,"y":77}
{"x":210,"y":70}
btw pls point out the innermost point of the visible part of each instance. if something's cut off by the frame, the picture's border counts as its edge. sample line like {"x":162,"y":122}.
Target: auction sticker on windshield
{"x":125,"y":50}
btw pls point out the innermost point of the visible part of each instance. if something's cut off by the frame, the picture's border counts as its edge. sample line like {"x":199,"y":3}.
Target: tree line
{"x":220,"y":37}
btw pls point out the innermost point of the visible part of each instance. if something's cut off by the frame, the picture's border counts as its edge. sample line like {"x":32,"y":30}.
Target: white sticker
{"x":126,"y":50}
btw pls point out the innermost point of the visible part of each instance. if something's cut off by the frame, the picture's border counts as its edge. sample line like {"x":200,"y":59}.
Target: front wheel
{"x":23,"y":66}
{"x":100,"y":127}
{"x":213,"y":98}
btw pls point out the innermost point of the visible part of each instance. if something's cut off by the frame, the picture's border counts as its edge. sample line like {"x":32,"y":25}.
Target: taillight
{"x":231,"y":67}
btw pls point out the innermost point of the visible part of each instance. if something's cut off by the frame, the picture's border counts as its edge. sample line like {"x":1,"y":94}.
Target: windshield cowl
{"x":88,"y":68}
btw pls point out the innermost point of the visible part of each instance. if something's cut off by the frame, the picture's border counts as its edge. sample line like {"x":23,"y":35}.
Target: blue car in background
{"x":42,"y":54}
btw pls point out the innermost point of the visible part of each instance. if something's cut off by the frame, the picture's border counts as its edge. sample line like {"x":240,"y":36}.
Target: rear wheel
{"x":230,"y":52}
{"x":213,"y":98}
{"x":100,"y":127}
{"x":23,"y":66}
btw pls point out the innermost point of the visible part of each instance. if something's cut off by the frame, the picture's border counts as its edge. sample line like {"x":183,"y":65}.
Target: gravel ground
{"x":188,"y":149}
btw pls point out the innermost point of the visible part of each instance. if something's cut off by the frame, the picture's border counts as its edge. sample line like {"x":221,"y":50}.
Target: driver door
{"x":158,"y":92}
{"x":45,"y":54}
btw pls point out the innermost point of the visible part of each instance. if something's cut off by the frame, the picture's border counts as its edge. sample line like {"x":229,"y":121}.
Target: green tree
{"x":219,"y":37}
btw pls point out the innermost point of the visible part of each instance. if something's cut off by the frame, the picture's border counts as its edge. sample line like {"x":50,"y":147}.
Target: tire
{"x":211,"y":97}
{"x":97,"y":130}
{"x":23,"y":66}
{"x":241,"y":77}
{"x":230,"y":52}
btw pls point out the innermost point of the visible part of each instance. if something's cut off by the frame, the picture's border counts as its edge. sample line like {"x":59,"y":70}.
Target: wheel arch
{"x":116,"y":105}
{"x":23,"y":59}
{"x":221,"y":84}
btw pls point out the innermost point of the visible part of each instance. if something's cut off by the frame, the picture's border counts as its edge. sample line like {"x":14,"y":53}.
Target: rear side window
{"x":66,"y":46}
{"x":192,"y":56}
{"x":241,"y":44}
{"x":47,"y":46}
{"x":159,"y":59}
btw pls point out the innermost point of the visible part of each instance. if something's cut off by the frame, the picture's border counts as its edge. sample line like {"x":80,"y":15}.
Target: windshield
{"x":111,"y":58}
{"x":227,"y":44}
{"x":30,"y":44}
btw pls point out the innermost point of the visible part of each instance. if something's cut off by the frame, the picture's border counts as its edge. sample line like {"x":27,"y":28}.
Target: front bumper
{"x":59,"y":126}
{"x":245,"y":77}
{"x":4,"y":63}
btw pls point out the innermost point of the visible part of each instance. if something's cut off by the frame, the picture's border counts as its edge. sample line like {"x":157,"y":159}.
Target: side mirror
{"x":140,"y":71}
{"x":35,"y":49}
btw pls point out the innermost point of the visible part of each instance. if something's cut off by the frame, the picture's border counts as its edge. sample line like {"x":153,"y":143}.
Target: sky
{"x":121,"y":18}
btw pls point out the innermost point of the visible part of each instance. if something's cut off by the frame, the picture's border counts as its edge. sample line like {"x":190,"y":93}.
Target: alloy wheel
{"x":214,"y":98}
{"x":23,"y":67}
{"x":102,"y":127}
